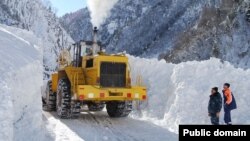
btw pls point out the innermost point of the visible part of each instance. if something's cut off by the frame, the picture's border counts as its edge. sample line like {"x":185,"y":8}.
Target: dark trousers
{"x":227,"y":116}
{"x":214,"y":119}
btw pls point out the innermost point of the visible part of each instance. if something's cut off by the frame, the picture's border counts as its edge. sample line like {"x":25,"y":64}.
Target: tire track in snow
{"x":107,"y":124}
{"x":105,"y":127}
{"x":99,"y":126}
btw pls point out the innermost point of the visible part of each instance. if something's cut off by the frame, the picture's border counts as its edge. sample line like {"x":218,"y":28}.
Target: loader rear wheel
{"x":49,"y":101}
{"x":63,"y":100}
{"x":119,"y":109}
{"x":95,"y":107}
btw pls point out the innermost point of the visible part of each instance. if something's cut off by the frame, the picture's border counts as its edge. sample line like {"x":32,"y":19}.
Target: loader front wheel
{"x":95,"y":107}
{"x":63,"y":100}
{"x":119,"y":109}
{"x":49,"y":101}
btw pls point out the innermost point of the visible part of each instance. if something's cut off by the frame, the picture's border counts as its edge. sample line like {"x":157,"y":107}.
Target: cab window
{"x":90,"y":63}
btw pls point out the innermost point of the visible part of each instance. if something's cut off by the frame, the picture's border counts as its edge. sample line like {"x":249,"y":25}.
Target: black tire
{"x":95,"y":107}
{"x":63,"y":100}
{"x":119,"y":109}
{"x":49,"y":102}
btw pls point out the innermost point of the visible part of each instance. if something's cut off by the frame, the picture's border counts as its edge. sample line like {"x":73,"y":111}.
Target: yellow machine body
{"x":85,"y":81}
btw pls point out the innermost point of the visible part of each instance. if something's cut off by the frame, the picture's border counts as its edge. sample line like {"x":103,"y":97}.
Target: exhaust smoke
{"x":100,"y":10}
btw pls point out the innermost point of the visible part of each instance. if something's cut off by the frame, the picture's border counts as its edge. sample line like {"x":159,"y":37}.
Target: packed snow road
{"x":99,"y":126}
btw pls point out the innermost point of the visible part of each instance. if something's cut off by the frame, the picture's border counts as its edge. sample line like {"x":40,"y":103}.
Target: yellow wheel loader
{"x":94,"y":79}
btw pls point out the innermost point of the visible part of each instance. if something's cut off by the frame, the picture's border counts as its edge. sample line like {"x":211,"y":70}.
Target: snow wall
{"x":179,"y":94}
{"x":20,"y":82}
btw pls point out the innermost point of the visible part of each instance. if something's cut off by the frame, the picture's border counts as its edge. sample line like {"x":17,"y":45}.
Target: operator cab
{"x":83,"y":48}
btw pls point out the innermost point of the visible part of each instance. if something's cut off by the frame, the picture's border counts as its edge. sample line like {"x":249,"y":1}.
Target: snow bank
{"x":179,"y":94}
{"x":6,"y":112}
{"x":21,"y":78}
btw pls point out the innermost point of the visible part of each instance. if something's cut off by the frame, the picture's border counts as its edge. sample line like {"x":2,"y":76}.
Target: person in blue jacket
{"x":214,"y":106}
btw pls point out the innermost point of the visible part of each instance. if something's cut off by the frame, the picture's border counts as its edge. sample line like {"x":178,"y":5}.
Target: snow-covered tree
{"x":37,"y":16}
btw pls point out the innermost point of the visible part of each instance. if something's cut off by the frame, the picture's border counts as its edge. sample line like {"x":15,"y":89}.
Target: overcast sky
{"x":67,"y":6}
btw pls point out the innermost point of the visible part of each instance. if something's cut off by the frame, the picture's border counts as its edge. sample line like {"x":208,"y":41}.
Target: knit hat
{"x":215,"y":89}
{"x":227,"y":84}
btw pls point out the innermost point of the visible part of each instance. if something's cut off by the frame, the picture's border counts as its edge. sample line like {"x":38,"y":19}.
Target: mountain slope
{"x":37,"y":16}
{"x":140,"y":26}
{"x":220,"y":32}
{"x":175,"y":30}
{"x":78,"y":24}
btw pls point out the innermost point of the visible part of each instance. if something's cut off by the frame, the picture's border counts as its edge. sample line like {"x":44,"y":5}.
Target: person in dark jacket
{"x":214,"y":106}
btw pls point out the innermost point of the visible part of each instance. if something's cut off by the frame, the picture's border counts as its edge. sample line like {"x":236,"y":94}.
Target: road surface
{"x":100,"y":127}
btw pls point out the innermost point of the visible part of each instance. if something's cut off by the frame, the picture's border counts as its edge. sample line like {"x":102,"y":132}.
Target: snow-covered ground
{"x":99,"y":126}
{"x":179,"y":94}
{"x":20,"y":82}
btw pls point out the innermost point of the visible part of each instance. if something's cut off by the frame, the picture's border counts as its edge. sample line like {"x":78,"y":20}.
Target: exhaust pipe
{"x":95,"y":34}
{"x":96,"y":47}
